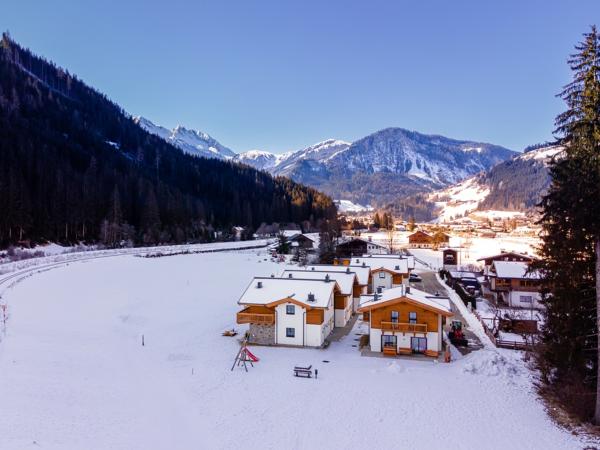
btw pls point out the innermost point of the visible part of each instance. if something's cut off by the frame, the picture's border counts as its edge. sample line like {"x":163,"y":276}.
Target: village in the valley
{"x":410,"y":291}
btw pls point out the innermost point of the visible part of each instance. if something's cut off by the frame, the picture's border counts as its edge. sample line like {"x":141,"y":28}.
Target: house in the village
{"x":343,"y":300}
{"x":404,"y":320}
{"x":363,"y":276}
{"x":302,"y":241}
{"x":386,"y":273}
{"x":358,"y":246}
{"x":420,"y":239}
{"x":288,"y":311}
{"x":512,"y":283}
{"x":504,"y":256}
{"x":410,"y":258}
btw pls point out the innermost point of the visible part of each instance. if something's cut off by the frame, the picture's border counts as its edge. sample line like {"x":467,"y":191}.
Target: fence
{"x":503,"y":343}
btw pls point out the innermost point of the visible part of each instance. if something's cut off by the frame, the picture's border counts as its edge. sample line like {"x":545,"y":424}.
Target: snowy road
{"x":74,"y":375}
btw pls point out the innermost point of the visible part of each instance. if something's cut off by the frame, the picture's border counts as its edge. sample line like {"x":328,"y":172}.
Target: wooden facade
{"x":381,"y":318}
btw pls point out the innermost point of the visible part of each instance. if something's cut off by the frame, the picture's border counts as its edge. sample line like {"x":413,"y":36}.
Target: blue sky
{"x":281,"y":75}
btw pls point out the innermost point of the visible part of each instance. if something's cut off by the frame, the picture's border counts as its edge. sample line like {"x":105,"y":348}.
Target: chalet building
{"x":504,"y":256}
{"x":302,"y":241}
{"x":363,"y":276}
{"x":409,"y":258}
{"x":386,"y":273}
{"x":359,"y":246}
{"x":288,"y":311}
{"x":403,"y":320}
{"x":343,"y":301}
{"x":420,"y":239}
{"x":511,"y":283}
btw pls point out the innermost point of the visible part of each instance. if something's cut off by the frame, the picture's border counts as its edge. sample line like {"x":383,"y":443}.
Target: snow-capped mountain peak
{"x":194,"y":142}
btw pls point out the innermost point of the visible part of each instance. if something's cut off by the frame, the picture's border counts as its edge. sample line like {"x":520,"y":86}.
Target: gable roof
{"x":345,"y":280}
{"x":274,"y":290}
{"x":514,"y":269}
{"x":400,"y":294}
{"x":297,"y":237}
{"x":409,"y":258}
{"x":520,"y":255}
{"x":395,"y":265}
{"x":361,"y":272}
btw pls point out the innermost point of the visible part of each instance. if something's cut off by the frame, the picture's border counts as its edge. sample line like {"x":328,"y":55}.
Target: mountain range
{"x":373,"y":170}
{"x":75,"y":167}
{"x":513,"y":185}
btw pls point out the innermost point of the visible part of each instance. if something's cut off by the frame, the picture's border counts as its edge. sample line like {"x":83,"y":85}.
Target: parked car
{"x":414,"y":278}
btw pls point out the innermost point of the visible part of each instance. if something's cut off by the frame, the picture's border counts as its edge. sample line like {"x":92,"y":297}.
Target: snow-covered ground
{"x":471,"y":249}
{"x":74,"y":375}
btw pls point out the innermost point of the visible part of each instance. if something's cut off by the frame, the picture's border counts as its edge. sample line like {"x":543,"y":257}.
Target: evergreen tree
{"x":568,"y":354}
{"x":283,"y":245}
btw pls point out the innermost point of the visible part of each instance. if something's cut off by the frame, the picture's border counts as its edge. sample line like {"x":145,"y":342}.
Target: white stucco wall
{"x":375,"y":340}
{"x":385,"y":282}
{"x":343,"y":315}
{"x":403,"y":340}
{"x":515,"y":299}
{"x":283,"y":321}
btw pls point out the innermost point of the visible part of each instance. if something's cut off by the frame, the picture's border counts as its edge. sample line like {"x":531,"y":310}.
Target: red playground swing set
{"x":244,"y":356}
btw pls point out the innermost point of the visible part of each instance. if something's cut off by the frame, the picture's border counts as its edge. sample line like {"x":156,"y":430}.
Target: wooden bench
{"x":305,"y":372}
{"x":389,"y":351}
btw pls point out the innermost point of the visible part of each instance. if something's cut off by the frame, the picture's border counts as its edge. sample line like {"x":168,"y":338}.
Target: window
{"x":395,"y":316}
{"x":525,"y":298}
{"x":412,"y":317}
{"x":388,"y":340}
{"x":290,"y":309}
{"x":382,"y":274}
{"x":290,"y":332}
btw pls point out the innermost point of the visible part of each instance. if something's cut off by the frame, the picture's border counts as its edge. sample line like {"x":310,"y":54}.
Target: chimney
{"x":259,"y":285}
{"x":363,"y":264}
{"x":347,"y":269}
{"x":311,"y":297}
{"x":379,"y":289}
{"x":290,"y":275}
{"x":312,"y":268}
{"x":357,"y":260}
{"x":370,"y":238}
{"x":327,"y":279}
{"x":407,"y":289}
{"x":272,"y":275}
{"x":397,"y":268}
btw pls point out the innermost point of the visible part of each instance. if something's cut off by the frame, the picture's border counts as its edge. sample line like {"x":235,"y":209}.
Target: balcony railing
{"x":262,"y":319}
{"x":404,"y":327}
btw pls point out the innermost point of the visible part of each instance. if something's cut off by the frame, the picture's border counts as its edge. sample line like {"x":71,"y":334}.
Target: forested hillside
{"x":74,"y":166}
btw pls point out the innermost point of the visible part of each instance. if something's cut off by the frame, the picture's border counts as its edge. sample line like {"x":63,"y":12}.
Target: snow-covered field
{"x":74,"y":375}
{"x":470,"y":249}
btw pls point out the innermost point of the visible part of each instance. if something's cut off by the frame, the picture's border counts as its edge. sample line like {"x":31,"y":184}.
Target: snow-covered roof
{"x":409,"y":258}
{"x":361,"y":272}
{"x":514,"y":269}
{"x":506,"y":254}
{"x":427,"y":300}
{"x":345,"y":280}
{"x":298,"y":235}
{"x":392,"y":264}
{"x":366,"y":241}
{"x":290,"y":233}
{"x":265,"y":290}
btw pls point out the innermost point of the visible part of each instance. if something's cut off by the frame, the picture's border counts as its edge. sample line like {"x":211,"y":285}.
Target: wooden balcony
{"x":404,"y":327}
{"x":261,"y":319}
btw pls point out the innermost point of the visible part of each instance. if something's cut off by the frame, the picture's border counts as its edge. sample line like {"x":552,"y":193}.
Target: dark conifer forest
{"x":75,"y":167}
